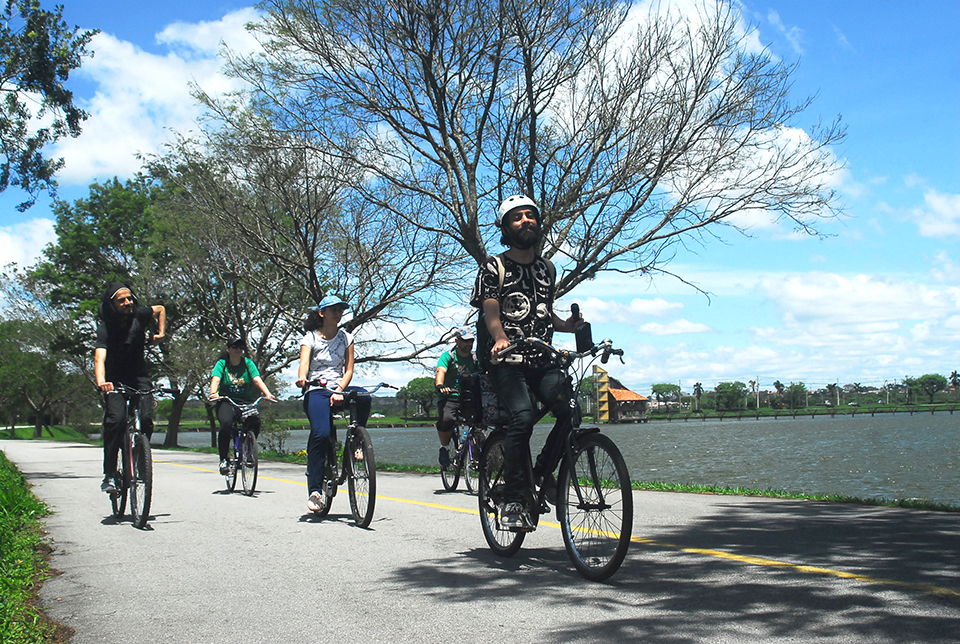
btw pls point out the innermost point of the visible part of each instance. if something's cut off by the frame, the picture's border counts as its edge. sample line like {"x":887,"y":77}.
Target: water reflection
{"x":889,"y":456}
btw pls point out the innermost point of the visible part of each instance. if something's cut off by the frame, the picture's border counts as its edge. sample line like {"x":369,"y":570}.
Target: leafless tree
{"x":634,"y":131}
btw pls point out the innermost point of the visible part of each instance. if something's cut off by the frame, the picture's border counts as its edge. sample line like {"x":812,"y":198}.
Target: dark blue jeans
{"x":317,"y":405}
{"x":514,"y":384}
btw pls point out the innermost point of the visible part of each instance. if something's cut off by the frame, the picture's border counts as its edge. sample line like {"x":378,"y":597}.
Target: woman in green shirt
{"x":235,"y":376}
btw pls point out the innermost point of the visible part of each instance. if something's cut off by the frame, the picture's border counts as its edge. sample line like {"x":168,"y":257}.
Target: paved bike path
{"x":215,"y":567}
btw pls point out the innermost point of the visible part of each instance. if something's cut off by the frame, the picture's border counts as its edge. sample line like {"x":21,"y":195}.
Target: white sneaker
{"x":315,"y":502}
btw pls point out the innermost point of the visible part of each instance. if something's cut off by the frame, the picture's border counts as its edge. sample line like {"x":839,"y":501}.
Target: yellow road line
{"x":707,"y":552}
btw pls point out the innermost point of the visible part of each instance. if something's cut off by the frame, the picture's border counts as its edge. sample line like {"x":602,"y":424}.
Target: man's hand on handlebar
{"x":105,"y":387}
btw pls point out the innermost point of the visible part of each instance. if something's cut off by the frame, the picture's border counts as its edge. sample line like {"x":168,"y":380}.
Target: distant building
{"x":626,"y":405}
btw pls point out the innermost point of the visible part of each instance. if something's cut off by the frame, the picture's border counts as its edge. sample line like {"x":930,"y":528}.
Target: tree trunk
{"x":173,"y":421}
{"x":213,"y":424}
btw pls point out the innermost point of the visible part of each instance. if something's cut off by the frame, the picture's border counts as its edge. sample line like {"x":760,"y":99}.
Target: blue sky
{"x":877,"y":300}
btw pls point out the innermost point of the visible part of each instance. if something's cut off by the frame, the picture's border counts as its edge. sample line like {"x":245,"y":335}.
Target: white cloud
{"x":141,"y":96}
{"x":794,"y":35}
{"x":940,"y":216}
{"x":674,"y":328}
{"x":23,"y":242}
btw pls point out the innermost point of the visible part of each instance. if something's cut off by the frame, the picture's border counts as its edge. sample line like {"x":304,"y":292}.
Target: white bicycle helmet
{"x":516,"y":201}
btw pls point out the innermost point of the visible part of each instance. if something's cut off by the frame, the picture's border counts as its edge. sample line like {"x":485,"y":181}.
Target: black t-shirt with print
{"x":526,"y":301}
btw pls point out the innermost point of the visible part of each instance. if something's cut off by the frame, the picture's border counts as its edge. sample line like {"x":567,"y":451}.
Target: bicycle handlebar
{"x":126,"y":390}
{"x":242,"y":404}
{"x":322,"y":385}
{"x":604,"y":347}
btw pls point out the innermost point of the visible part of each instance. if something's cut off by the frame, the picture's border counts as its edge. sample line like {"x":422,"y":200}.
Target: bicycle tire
{"x":231,"y":476}
{"x":118,"y":499}
{"x":249,"y":463}
{"x":595,"y":507}
{"x":504,"y":542}
{"x":471,"y":463}
{"x":450,"y":475}
{"x":329,"y":487}
{"x":361,"y":476}
{"x":141,"y":480}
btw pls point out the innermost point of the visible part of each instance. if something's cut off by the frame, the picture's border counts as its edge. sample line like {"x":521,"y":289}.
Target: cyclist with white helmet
{"x":515,"y":292}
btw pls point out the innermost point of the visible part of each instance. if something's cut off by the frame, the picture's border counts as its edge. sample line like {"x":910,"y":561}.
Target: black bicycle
{"x":594,"y":499}
{"x":245,"y":453}
{"x":135,"y":463}
{"x":466,"y":456}
{"x":358,"y":466}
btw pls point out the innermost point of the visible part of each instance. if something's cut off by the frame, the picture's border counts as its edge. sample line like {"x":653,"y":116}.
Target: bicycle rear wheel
{"x":471,"y":461}
{"x":249,"y":463}
{"x":490,"y":495}
{"x":141,"y":480}
{"x":451,"y":473}
{"x":595,"y":507}
{"x":361,"y":475}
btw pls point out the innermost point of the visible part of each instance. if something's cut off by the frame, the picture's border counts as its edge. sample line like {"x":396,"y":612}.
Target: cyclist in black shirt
{"x":514,"y":292}
{"x":119,"y":358}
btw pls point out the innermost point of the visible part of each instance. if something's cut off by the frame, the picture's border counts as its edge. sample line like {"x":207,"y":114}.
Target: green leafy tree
{"x":421,"y":391}
{"x":795,"y":396}
{"x":665,"y":392}
{"x":931,"y":383}
{"x":730,"y":395}
{"x":38,"y":52}
{"x":35,"y":377}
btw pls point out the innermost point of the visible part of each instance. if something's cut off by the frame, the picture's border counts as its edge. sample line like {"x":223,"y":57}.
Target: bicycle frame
{"x":135,"y":460}
{"x":594,"y":501}
{"x":245,"y":448}
{"x":358,"y":464}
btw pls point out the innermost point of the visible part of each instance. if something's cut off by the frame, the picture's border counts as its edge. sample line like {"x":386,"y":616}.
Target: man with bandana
{"x":119,"y":358}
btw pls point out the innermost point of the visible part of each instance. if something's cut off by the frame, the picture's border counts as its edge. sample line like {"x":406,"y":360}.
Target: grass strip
{"x":23,"y":567}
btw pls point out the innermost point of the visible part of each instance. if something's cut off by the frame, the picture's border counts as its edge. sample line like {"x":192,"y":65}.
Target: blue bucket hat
{"x":332,"y":300}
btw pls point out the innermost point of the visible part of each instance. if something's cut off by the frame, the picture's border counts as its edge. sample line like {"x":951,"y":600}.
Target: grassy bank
{"x":22,"y":564}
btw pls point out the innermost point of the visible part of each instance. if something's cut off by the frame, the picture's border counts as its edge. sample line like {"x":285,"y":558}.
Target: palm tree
{"x":780,"y":389}
{"x":955,"y":382}
{"x":698,"y":391}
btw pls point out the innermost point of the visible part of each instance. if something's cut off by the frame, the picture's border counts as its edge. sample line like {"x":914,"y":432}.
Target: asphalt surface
{"x":218,"y":567}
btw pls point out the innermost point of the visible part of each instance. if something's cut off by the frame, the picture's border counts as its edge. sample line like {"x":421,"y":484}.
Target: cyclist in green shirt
{"x":235,"y":375}
{"x":452,"y":366}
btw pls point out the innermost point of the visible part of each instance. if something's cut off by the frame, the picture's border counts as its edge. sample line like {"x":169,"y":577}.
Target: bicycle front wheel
{"x":451,"y":473}
{"x":504,"y":542}
{"x":118,"y":499}
{"x":249,"y":463}
{"x":362,"y":476}
{"x":595,"y":507}
{"x":231,"y":476}
{"x":141,"y":480}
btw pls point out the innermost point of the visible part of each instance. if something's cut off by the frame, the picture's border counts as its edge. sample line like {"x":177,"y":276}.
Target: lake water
{"x":892,"y":456}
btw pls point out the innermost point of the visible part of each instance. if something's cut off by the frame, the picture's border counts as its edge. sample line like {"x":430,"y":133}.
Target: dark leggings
{"x":227,"y":414}
{"x":115,"y":421}
{"x":511,"y":383}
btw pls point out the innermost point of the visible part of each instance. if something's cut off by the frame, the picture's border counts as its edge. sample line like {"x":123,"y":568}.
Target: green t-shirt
{"x":456,"y":367}
{"x":236,"y":381}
